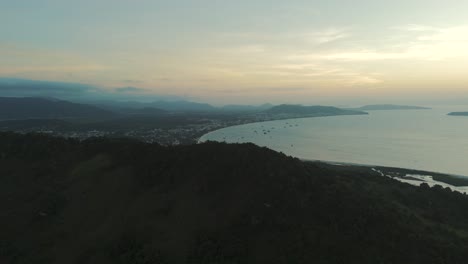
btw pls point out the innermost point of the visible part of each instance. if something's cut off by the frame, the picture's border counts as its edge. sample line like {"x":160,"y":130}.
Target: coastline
{"x":198,"y":140}
{"x":410,"y":176}
{"x":396,"y":170}
{"x":406,"y":175}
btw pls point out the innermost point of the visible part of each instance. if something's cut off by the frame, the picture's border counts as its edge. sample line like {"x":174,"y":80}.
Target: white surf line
{"x":379,"y":172}
{"x":429,"y":180}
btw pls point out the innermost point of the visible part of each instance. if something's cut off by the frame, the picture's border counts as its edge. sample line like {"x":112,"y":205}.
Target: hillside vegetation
{"x":122,"y":201}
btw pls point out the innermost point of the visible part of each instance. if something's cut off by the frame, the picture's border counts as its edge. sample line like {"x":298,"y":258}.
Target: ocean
{"x":427,"y":140}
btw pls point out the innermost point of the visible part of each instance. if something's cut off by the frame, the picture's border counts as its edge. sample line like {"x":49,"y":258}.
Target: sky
{"x":243,"y":51}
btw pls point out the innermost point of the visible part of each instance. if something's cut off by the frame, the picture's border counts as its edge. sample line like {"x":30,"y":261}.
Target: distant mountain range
{"x":180,"y":106}
{"x":30,"y":107}
{"x":12,"y":108}
{"x":389,"y":107}
{"x":168,"y":106}
{"x":146,"y":111}
{"x":311,"y":110}
{"x":113,"y":100}
{"x":246,"y":108}
{"x":122,"y":100}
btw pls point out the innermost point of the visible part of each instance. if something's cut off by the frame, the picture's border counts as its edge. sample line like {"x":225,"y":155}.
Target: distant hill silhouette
{"x":145,"y":111}
{"x":42,"y":108}
{"x":458,"y":114}
{"x":311,"y":110}
{"x":170,"y":106}
{"x":19,"y":124}
{"x":182,"y":106}
{"x":246,"y":108}
{"x":390,"y":107}
{"x":121,"y":201}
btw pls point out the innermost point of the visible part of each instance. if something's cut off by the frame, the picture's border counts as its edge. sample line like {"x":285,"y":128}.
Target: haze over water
{"x":414,"y":139}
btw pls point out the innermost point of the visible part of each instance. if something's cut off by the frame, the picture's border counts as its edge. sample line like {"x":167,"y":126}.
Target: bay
{"x":415,"y":139}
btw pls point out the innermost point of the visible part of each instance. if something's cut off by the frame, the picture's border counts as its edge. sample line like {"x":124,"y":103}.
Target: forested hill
{"x":121,"y":201}
{"x":311,"y":110}
{"x":30,"y":107}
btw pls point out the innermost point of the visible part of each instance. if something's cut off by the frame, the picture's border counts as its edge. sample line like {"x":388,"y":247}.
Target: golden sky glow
{"x":264,"y":50}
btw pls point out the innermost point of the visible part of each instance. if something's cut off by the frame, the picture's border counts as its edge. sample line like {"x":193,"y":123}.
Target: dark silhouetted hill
{"x":311,"y":110}
{"x":121,"y":201}
{"x":182,"y":106}
{"x":19,"y":124}
{"x":170,"y":106}
{"x":42,"y":108}
{"x":390,"y":107}
{"x":458,"y":114}
{"x":145,"y":111}
{"x":246,"y":108}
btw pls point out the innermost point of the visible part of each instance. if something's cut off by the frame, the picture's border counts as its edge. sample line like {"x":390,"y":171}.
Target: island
{"x":458,"y":114}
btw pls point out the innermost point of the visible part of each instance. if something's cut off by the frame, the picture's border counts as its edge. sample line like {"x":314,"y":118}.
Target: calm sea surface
{"x":414,"y":139}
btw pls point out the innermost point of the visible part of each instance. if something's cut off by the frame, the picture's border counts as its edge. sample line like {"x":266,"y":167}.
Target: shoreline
{"x":265,"y":121}
{"x":392,"y":168}
{"x":397,"y":173}
{"x":413,"y":177}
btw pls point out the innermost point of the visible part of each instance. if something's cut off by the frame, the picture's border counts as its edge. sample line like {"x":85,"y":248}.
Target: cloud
{"x":331,"y":56}
{"x":13,"y":87}
{"x":327,"y":35}
{"x":45,"y":69}
{"x":275,"y":60}
{"x":363,"y":80}
{"x":357,"y":56}
{"x":417,"y":28}
{"x":245,"y":49}
{"x":20,"y":61}
{"x":426,"y":43}
{"x":21,"y":87}
{"x":131,"y":81}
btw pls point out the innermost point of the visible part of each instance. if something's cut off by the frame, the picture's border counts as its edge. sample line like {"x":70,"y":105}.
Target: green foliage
{"x":123,"y":201}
